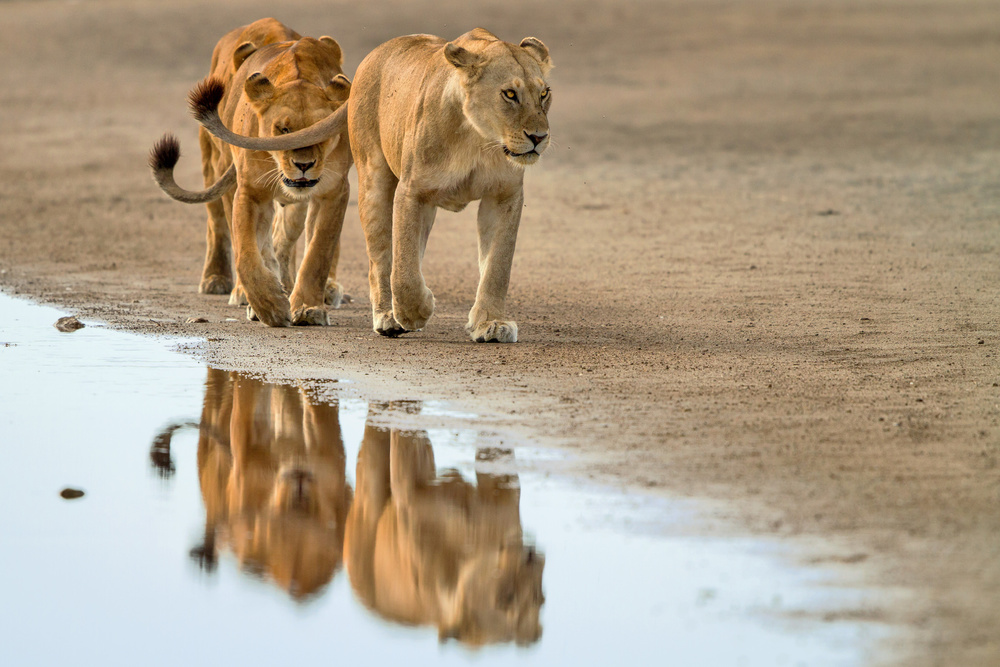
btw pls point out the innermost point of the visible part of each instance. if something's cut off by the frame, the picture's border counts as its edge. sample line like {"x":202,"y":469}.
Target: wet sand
{"x":758,"y":266}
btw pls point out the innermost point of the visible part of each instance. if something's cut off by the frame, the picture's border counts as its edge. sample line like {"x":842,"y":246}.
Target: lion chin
{"x":522,"y":159}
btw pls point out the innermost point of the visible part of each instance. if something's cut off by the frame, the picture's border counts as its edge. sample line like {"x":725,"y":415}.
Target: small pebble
{"x":196,"y":320}
{"x":71,"y":494}
{"x":68,"y":324}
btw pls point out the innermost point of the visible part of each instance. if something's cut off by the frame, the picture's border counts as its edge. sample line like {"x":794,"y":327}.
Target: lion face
{"x":506,"y":97}
{"x":286,"y":108}
{"x":500,"y":597}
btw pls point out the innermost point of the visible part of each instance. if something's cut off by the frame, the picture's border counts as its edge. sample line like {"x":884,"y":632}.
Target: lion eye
{"x":510,"y":95}
{"x":545,"y":93}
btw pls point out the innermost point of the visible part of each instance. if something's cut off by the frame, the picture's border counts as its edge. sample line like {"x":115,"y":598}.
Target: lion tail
{"x":162,"y":160}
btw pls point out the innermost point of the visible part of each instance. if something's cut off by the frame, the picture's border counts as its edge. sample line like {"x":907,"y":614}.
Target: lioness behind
{"x":272,"y":81}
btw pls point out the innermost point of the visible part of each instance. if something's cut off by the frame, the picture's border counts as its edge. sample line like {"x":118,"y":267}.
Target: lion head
{"x":498,"y":598}
{"x":505,"y":96}
{"x":287,"y":94}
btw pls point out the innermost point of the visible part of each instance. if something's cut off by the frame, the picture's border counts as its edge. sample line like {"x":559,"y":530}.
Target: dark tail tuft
{"x":205,"y":97}
{"x":165,"y":154}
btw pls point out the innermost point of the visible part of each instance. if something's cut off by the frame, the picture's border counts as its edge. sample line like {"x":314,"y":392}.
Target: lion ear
{"x":461,"y":58}
{"x":242,"y":52}
{"x":258,"y":88}
{"x":339,"y":88}
{"x":538,"y":51}
{"x":332,"y":43}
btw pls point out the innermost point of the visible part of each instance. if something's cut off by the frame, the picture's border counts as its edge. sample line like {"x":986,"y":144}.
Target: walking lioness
{"x":272,"y":81}
{"x":438,"y":124}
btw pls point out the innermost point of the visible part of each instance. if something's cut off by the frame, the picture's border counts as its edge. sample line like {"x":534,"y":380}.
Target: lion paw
{"x":310,"y":315}
{"x":413,"y":314}
{"x":215,"y":284}
{"x":238,"y":297}
{"x":386,"y":325}
{"x":494,"y":331}
{"x":334,"y":294}
{"x":275,"y":313}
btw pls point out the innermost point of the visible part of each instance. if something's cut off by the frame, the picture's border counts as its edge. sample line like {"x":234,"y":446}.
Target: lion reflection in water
{"x":420,"y":548}
{"x":272,"y":471}
{"x":429,"y":549}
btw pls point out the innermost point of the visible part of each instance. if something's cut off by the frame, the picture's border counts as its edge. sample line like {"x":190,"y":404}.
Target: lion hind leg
{"x":217,"y":274}
{"x":376,"y":190}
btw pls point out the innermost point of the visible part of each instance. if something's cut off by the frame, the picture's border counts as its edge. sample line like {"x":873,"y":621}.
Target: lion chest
{"x":454,"y":192}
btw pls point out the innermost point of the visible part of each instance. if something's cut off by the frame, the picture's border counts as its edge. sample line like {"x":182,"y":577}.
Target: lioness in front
{"x":440,"y":124}
{"x":271,"y":81}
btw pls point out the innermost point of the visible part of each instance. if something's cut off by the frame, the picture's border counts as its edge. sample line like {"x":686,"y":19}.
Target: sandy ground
{"x":759,"y":265}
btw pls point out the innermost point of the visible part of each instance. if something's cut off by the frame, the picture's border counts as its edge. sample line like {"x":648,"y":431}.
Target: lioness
{"x":428,"y":549}
{"x":272,"y":81}
{"x":271,"y":465}
{"x":439,"y":124}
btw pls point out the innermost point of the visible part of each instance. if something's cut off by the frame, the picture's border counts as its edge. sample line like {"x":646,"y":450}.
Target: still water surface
{"x":232,"y":521}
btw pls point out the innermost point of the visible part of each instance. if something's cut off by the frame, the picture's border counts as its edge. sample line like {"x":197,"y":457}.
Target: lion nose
{"x":304,"y":166}
{"x":537,"y":138}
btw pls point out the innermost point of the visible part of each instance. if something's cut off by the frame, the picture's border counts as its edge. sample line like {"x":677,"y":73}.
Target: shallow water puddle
{"x":227,"y":521}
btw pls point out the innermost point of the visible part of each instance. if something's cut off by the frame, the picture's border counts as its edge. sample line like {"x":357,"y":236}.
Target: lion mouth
{"x":300,"y":182}
{"x":509,"y":153}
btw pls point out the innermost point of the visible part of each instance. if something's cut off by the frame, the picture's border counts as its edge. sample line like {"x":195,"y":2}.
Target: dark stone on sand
{"x":68,"y":324}
{"x":71,"y":494}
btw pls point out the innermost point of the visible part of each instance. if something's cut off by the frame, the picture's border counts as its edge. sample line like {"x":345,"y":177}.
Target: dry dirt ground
{"x":758,"y":266}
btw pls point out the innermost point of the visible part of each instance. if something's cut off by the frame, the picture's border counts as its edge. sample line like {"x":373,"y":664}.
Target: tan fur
{"x":431,"y":126}
{"x":424,"y":549}
{"x":272,"y":469}
{"x":275,"y":81}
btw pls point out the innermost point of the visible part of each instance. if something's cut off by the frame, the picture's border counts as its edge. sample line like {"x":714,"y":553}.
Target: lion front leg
{"x":498,"y":221}
{"x":251,"y":230}
{"x":412,"y":219}
{"x":289,"y":221}
{"x":324,"y":223}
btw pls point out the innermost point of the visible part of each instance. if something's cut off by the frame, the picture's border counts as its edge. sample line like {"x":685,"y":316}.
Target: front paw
{"x":334,"y":294}
{"x":310,"y":315}
{"x":494,"y":331}
{"x":413,"y":313}
{"x":215,"y":284}
{"x":271,"y":309}
{"x":384,"y":324}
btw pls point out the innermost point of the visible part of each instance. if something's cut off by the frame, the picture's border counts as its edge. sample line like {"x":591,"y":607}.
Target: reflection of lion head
{"x":271,"y":463}
{"x":424,"y":549}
